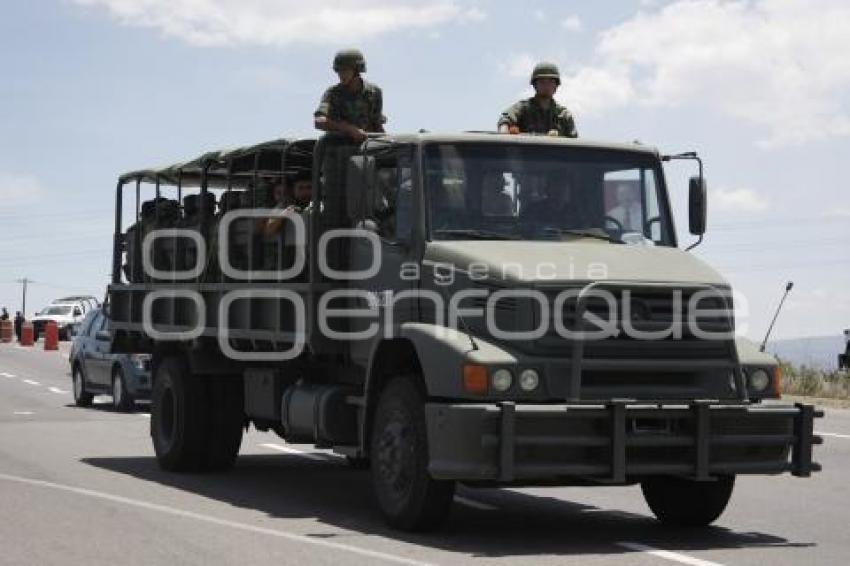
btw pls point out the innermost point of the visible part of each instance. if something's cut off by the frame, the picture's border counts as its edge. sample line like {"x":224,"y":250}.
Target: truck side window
{"x":391,"y":210}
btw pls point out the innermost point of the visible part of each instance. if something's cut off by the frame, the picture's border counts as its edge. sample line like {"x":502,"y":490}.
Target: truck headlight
{"x":529,"y":379}
{"x":759,"y":381}
{"x":502,"y":380}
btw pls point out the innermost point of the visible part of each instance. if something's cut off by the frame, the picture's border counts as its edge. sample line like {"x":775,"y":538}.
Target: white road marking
{"x":31,"y":382}
{"x":23,"y":413}
{"x":215,"y":520}
{"x":832,"y":434}
{"x":290,"y":450}
{"x":667,"y":555}
{"x":58,"y":391}
{"x":474,"y":504}
{"x":9,"y":375}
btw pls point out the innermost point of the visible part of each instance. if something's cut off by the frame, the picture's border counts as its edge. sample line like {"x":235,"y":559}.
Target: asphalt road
{"x":81,"y":486}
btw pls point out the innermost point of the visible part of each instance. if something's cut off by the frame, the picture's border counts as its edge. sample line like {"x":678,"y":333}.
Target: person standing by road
{"x":19,"y":323}
{"x":540,"y":114}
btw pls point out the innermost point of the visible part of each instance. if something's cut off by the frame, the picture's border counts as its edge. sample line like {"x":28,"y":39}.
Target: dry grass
{"x":810,"y":382}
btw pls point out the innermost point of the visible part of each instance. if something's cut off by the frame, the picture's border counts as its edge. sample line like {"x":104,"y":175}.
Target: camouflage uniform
{"x":531,"y":118}
{"x":362,"y":109}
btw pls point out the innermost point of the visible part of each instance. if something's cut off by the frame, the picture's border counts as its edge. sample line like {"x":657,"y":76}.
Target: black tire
{"x":681,"y":502}
{"x":82,"y":398}
{"x":407,"y":495}
{"x":226,"y":423}
{"x":122,"y":400}
{"x":178,"y":417}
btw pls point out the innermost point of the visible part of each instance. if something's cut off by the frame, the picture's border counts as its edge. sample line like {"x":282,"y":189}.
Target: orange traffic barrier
{"x":26,"y":334}
{"x":51,"y":335}
{"x":6,"y":327}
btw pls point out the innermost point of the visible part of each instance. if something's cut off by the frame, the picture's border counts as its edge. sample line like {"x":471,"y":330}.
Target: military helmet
{"x":350,"y":58}
{"x":545,"y":70}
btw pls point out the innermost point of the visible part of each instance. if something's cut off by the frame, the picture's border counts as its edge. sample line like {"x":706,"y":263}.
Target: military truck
{"x":844,"y":359}
{"x":496,"y":310}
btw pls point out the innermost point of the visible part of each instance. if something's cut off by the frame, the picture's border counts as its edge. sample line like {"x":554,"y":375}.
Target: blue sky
{"x":91,"y":88}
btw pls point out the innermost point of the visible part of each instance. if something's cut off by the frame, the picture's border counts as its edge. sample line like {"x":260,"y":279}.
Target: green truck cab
{"x":477,"y":308}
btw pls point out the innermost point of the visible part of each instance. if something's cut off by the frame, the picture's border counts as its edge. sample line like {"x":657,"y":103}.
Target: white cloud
{"x":780,"y":65}
{"x":737,"y":200}
{"x":282,"y":22}
{"x":519,"y":65}
{"x":539,"y":15}
{"x":590,"y":91}
{"x":838,"y":213}
{"x":572,"y":23}
{"x":18,"y":189}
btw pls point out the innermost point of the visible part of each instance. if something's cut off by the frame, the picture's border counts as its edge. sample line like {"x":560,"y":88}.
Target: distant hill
{"x":818,"y":352}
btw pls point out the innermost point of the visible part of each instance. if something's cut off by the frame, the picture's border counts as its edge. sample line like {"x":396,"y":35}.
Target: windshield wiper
{"x":475,"y":234}
{"x":591,"y":233}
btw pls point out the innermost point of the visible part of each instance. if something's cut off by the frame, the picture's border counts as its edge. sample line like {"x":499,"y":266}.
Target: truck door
{"x":388,"y":214}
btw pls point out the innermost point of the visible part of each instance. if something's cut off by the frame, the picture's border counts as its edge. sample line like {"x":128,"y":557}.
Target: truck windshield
{"x":544,"y":192}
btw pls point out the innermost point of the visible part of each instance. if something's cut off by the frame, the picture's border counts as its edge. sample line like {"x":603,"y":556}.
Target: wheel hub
{"x":396,"y":456}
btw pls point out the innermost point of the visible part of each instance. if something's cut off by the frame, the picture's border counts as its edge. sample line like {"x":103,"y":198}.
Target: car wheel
{"x":81,"y":397}
{"x":121,"y":398}
{"x":407,"y":495}
{"x":681,"y":502}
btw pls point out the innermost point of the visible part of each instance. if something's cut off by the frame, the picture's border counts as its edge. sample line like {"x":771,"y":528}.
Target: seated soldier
{"x":628,"y":211}
{"x":295,"y":197}
{"x":557,"y":207}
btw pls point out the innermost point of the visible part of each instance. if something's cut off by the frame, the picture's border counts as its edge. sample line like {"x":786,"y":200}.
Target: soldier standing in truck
{"x":354,"y":106}
{"x":540,"y":114}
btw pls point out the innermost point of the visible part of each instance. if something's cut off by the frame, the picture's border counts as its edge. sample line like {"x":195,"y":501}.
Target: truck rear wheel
{"x":196,"y":421}
{"x":682,"y":502}
{"x":178,"y":417}
{"x":408,"y":496}
{"x":226,"y":421}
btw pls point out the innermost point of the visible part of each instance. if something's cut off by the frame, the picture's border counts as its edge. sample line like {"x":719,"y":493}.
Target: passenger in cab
{"x":556,"y":207}
{"x":628,"y":211}
{"x":353,"y":107}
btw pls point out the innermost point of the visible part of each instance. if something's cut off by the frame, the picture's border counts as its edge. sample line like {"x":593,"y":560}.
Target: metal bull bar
{"x":701,"y":440}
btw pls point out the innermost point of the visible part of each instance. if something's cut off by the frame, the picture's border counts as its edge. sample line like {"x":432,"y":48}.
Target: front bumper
{"x":619,"y":442}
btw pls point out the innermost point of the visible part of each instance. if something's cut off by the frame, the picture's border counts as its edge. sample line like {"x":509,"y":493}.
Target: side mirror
{"x":359,"y":185}
{"x":102,"y":336}
{"x":697,"y":206}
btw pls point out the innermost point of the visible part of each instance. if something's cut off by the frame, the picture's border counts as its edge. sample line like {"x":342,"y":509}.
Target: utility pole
{"x":25,"y":281}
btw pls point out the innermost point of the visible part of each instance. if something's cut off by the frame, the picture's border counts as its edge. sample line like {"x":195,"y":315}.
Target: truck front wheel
{"x":408,"y":496}
{"x":682,"y":502}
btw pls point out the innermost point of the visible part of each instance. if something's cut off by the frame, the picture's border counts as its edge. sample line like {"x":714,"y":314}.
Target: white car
{"x":87,"y":302}
{"x":67,"y":316}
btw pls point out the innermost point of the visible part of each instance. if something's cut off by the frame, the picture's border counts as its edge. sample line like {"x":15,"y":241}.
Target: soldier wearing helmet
{"x":540,"y":114}
{"x":352,"y":107}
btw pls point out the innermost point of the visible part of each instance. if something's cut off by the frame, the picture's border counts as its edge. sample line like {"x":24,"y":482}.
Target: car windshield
{"x":57,"y":309}
{"x":544,"y":192}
